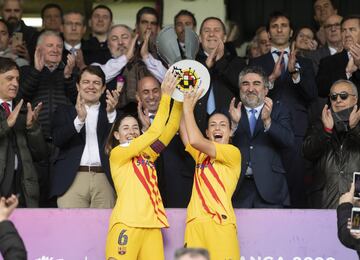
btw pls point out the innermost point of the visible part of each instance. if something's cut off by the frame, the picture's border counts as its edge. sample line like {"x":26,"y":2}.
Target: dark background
{"x":251,"y":14}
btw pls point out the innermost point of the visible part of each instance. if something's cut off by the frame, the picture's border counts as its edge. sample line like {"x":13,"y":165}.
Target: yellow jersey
{"x":215,"y":180}
{"x":139,"y":202}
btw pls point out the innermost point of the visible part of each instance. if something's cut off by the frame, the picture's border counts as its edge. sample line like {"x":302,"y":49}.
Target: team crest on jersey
{"x":122,"y":241}
{"x":188,"y":78}
{"x":122,"y":250}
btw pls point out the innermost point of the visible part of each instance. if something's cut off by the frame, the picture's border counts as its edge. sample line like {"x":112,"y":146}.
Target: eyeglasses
{"x":343,"y":95}
{"x":330,"y":26}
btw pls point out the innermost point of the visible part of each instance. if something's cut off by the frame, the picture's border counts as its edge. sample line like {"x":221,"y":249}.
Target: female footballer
{"x":138,"y":216}
{"x":211,"y":221}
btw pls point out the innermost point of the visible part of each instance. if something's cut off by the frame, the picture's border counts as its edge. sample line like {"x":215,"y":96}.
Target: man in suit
{"x":343,"y":65}
{"x":333,"y":39}
{"x":81,"y":176}
{"x":73,"y":30}
{"x":224,"y":70}
{"x":175,"y":167}
{"x":21,"y":140}
{"x":293,"y":84}
{"x":262,"y":129}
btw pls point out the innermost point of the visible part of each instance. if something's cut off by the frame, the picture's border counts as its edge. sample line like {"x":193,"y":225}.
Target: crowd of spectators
{"x":292,"y":101}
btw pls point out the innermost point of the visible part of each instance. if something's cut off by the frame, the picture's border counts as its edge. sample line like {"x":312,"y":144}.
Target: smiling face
{"x":303,"y":39}
{"x":219,"y":129}
{"x":252,"y":90}
{"x":51,"y":47}
{"x":149,"y":93}
{"x":90,"y":88}
{"x":211,"y":33}
{"x":9,"y":84}
{"x":128,"y":130}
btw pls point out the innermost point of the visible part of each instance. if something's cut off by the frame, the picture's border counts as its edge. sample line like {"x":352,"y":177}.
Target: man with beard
{"x":262,"y":129}
{"x":11,"y":12}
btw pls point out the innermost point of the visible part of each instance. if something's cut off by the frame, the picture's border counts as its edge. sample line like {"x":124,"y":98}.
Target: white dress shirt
{"x":91,"y":153}
{"x":286,"y":60}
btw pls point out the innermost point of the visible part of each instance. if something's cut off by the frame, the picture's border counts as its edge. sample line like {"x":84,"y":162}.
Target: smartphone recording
{"x":357,"y":185}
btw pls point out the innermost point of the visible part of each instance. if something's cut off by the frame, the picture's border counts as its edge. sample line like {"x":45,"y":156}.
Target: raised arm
{"x":120,"y":154}
{"x":195,"y":137}
{"x":172,"y":126}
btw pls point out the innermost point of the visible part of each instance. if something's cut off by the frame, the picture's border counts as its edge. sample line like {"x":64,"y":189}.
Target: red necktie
{"x":6,"y":108}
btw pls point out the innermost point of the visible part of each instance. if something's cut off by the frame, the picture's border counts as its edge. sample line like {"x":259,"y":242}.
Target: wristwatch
{"x":297,"y":70}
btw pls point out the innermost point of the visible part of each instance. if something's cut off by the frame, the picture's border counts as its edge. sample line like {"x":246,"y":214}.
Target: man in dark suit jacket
{"x":21,"y":140}
{"x":294,"y":85}
{"x":263,"y":129}
{"x":343,"y":65}
{"x":81,"y":172}
{"x":224,"y":70}
{"x":333,"y":41}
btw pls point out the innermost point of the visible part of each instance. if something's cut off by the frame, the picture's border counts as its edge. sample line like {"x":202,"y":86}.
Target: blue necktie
{"x":252,"y":120}
{"x":210,"y":108}
{"x":282,"y":63}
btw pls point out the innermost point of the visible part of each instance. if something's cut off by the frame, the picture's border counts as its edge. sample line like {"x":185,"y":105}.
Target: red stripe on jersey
{"x":215,"y":174}
{"x":144,"y":183}
{"x":211,"y":189}
{"x":154,"y":187}
{"x":201,"y":196}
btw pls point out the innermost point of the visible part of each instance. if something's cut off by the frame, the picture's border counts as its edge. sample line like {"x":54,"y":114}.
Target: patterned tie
{"x":6,"y":108}
{"x":73,"y":51}
{"x":282,"y":63}
{"x":252,"y":120}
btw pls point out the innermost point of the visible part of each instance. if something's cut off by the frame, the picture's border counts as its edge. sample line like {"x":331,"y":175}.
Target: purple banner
{"x":80,"y":234}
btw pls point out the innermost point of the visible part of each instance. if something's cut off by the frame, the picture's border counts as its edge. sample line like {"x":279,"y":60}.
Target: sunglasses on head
{"x":343,"y":95}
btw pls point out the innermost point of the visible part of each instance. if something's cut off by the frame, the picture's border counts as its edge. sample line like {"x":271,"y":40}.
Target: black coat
{"x":331,"y":69}
{"x":224,"y":82}
{"x":336,"y":157}
{"x":11,"y":245}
